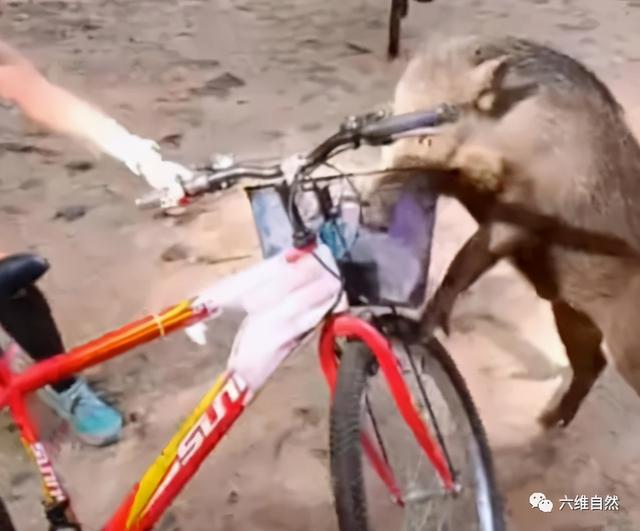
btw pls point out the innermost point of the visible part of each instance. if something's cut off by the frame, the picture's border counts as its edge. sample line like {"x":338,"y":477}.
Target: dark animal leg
{"x":582,"y":340}
{"x":477,"y":255}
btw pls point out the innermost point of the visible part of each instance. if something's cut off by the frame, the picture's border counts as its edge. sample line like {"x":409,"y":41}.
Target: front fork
{"x":56,"y":503}
{"x":351,"y":327}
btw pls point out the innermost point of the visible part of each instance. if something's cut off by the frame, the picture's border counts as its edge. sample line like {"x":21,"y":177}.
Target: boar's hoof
{"x":555,"y":418}
{"x":436,"y":315}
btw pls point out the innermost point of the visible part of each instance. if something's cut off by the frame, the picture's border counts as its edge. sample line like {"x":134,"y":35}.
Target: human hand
{"x":142,"y":157}
{"x":166,"y":176}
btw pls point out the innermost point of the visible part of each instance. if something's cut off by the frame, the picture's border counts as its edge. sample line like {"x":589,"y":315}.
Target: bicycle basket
{"x":382,"y":264}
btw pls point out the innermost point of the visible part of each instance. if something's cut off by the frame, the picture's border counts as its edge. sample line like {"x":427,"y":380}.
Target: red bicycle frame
{"x":290,"y":295}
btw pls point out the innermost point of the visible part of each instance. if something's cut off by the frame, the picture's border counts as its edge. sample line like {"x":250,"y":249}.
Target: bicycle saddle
{"x":18,"y":271}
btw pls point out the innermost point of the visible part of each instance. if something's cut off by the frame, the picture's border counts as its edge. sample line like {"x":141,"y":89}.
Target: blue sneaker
{"x":94,"y":422}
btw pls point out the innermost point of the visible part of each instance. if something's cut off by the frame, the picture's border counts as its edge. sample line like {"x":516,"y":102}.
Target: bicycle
{"x":308,"y":281}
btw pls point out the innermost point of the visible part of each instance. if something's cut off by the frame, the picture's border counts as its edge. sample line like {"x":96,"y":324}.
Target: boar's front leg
{"x":489,"y":243}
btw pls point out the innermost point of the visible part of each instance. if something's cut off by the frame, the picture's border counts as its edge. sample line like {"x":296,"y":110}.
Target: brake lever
{"x":150,"y":200}
{"x":158,"y":199}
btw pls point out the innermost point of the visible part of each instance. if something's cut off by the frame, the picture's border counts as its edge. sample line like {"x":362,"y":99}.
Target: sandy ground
{"x":266,"y":78}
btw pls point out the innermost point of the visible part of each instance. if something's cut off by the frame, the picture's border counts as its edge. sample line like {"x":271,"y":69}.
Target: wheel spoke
{"x":376,"y":429}
{"x":427,"y":403}
{"x":421,"y":496}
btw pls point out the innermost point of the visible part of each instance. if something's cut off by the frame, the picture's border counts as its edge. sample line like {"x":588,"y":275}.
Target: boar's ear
{"x":487,"y":74}
{"x":486,"y":78}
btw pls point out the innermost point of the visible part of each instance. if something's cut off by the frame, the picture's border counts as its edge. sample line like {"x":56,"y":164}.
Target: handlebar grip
{"x":194,"y":187}
{"x":384,"y":130}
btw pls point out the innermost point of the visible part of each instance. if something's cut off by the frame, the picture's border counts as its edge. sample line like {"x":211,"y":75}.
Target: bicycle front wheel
{"x":362,"y":403}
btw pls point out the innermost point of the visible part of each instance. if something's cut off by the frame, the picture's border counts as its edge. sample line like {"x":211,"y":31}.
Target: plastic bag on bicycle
{"x":381,"y":265}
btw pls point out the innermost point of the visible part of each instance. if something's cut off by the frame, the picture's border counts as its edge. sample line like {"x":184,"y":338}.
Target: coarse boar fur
{"x":543,"y":157}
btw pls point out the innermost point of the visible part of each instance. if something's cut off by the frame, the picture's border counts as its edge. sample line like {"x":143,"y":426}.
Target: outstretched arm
{"x":60,"y":111}
{"x":55,"y":108}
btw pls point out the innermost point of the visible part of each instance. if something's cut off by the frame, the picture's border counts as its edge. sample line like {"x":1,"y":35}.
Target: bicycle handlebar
{"x":373,"y":129}
{"x":212,"y":181}
{"x":387,"y":129}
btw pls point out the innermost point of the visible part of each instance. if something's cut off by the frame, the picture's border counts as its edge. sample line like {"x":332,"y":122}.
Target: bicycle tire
{"x":346,"y":459}
{"x":6,"y":523}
